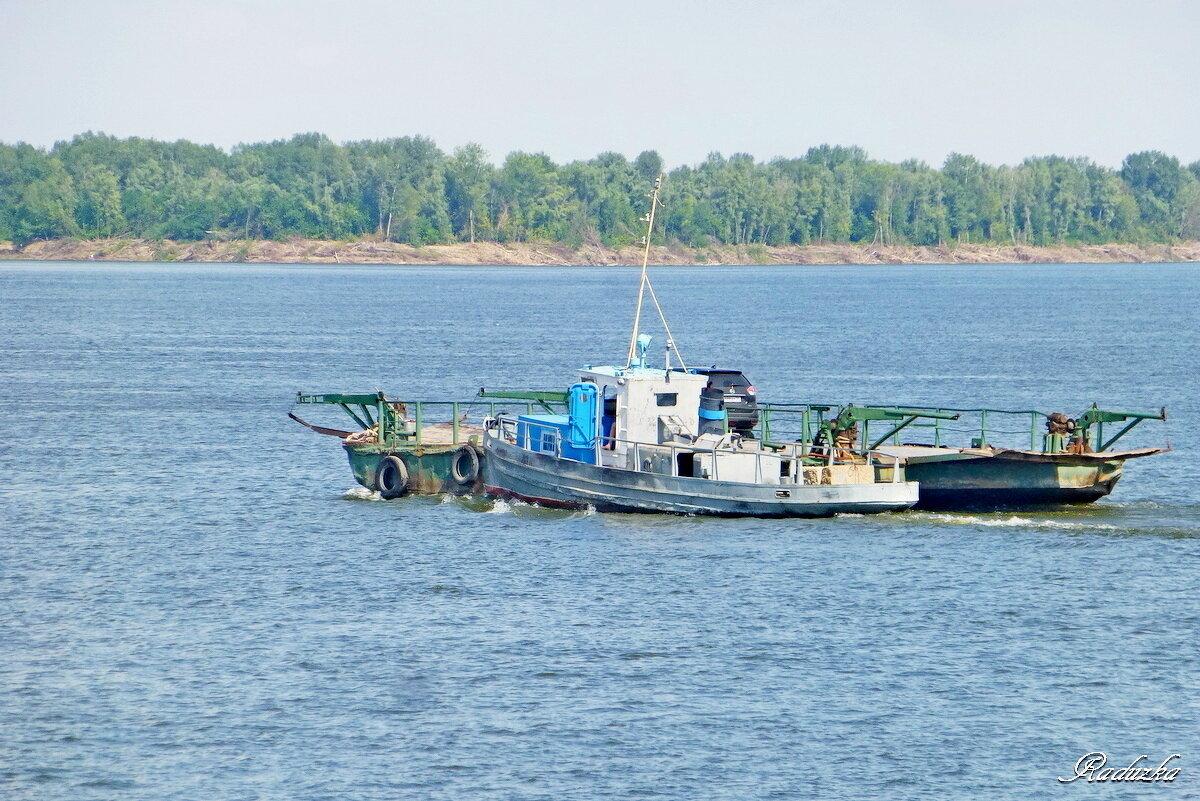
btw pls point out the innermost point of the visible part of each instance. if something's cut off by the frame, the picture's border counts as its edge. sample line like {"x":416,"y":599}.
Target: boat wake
{"x":488,"y":505}
{"x":1014,"y":521}
{"x":502,"y":507}
{"x":531,"y":511}
{"x":361,"y":494}
{"x":1133,"y":528}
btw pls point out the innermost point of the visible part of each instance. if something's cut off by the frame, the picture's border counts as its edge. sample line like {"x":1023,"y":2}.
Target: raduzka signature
{"x":1092,"y":767}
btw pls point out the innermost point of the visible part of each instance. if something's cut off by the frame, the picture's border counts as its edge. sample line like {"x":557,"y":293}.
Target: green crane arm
{"x":1098,"y":417}
{"x":548,"y":396}
{"x":856,"y":414}
{"x":360,"y":399}
{"x":385,"y":416}
{"x":904,"y":416}
{"x":541,"y":397}
{"x":1094,"y":415}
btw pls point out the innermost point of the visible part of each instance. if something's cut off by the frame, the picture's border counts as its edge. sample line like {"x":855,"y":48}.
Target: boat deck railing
{"x":397,"y":421}
{"x":803,"y":422}
{"x":549,"y":440}
{"x":944,"y":426}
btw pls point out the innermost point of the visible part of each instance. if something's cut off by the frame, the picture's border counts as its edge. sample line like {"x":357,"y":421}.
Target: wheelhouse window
{"x":666,"y":398}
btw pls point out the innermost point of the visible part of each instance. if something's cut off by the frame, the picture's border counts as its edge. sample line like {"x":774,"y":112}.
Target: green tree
{"x":46,"y":208}
{"x":528,"y":201}
{"x":99,"y":213}
{"x":468,"y":177}
{"x":1155,"y":180}
{"x":648,"y":165}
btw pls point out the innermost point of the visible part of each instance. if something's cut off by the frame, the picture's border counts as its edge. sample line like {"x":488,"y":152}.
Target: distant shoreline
{"x":364,"y":251}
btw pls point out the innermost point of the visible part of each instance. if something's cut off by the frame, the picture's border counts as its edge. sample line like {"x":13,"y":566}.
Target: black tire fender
{"x":391,"y":477}
{"x":464,"y":465}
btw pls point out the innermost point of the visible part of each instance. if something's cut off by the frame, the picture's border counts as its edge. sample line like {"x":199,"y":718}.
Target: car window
{"x":729,"y":381}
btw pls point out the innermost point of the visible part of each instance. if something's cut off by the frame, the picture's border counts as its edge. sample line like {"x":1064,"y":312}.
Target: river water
{"x":196,"y":603}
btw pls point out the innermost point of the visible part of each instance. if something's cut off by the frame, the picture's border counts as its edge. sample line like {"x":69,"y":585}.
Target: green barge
{"x":422,"y":447}
{"x":975,"y":458}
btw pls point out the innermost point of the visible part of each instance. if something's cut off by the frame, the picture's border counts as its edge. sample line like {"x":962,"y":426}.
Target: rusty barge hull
{"x":980,"y":479}
{"x":430,"y":470}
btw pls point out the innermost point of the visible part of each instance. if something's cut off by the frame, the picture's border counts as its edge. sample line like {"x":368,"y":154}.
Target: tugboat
{"x":637,"y":438}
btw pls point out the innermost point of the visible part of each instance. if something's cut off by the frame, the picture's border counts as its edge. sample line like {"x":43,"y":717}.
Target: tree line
{"x":408,"y":190}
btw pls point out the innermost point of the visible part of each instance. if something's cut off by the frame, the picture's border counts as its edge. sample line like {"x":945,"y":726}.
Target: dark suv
{"x":741,"y":404}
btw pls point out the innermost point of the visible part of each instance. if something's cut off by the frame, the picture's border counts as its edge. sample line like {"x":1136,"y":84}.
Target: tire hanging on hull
{"x":391,"y":477}
{"x":464,"y":466}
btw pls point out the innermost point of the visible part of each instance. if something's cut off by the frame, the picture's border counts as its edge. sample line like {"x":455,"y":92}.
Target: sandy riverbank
{"x":313,"y":251}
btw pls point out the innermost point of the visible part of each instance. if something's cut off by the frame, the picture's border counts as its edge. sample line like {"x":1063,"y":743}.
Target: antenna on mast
{"x":644,"y":284}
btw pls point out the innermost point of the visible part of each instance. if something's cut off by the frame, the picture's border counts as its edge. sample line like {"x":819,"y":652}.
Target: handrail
{"x":508,"y":423}
{"x":373,"y":397}
{"x":797,"y":407}
{"x":396,"y":421}
{"x":984,"y":426}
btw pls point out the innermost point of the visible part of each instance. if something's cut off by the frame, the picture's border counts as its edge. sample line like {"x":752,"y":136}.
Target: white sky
{"x":918,"y":79}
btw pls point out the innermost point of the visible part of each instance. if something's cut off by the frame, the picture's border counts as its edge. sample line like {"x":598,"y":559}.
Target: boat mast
{"x":644,"y":284}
